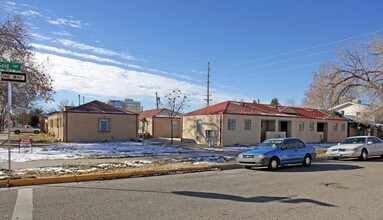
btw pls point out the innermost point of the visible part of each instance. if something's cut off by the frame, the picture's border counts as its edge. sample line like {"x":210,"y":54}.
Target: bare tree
{"x":321,"y":94}
{"x":360,"y":66}
{"x":290,"y":102}
{"x":14,"y":48}
{"x":175,"y":101}
{"x":63,"y":104}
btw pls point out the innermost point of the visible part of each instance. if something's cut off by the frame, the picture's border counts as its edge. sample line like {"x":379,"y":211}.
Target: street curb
{"x":108,"y":176}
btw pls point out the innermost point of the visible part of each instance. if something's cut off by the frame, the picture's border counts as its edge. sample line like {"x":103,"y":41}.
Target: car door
{"x":288,"y":152}
{"x":371,"y":147}
{"x":378,"y":145}
{"x":300,"y":149}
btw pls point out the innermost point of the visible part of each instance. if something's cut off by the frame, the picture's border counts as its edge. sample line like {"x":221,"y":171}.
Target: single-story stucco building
{"x":157,"y":123}
{"x":231,"y":122}
{"x":93,"y":122}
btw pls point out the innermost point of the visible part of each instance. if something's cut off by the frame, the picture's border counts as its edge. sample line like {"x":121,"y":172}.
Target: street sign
{"x":13,"y":77}
{"x":25,"y":142}
{"x":10,"y":66}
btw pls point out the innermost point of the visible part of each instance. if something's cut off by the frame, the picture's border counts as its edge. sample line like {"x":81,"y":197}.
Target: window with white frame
{"x":312,"y":124}
{"x":104,"y":125}
{"x":247,"y":124}
{"x":231,"y":124}
{"x":336,"y":127}
{"x":343,"y":127}
{"x":301,"y":126}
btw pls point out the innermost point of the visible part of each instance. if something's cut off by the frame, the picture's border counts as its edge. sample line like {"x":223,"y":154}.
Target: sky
{"x":119,"y":49}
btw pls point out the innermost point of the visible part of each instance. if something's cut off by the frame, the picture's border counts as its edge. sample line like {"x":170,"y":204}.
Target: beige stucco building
{"x":230,"y":123}
{"x":158,"y":123}
{"x":93,"y":122}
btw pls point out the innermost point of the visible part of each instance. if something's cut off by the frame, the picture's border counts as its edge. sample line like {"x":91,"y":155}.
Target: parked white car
{"x":25,"y":129}
{"x":357,"y":147}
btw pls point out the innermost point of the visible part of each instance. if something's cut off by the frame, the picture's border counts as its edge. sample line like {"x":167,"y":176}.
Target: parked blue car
{"x":275,"y":152}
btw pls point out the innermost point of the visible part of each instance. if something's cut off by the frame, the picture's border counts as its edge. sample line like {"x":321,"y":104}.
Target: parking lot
{"x":345,"y":189}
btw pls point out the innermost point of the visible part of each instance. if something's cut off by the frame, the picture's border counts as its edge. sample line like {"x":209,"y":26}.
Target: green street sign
{"x":10,"y":66}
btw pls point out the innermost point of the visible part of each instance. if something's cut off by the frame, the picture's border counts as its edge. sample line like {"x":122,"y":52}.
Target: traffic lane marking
{"x":24,"y":205}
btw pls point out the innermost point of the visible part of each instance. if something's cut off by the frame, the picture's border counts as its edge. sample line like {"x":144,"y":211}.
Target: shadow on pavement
{"x":257,"y":199}
{"x":209,"y":195}
{"x":317,"y":167}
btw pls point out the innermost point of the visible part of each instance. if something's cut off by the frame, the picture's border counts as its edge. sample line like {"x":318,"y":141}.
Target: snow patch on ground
{"x":86,"y":150}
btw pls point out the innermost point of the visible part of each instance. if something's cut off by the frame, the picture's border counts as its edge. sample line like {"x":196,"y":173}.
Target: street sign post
{"x":9,"y":76}
{"x":13,"y":77}
{"x":10,"y":66}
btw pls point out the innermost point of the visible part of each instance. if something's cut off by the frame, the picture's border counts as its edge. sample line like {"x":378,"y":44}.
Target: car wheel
{"x":248,"y":167}
{"x":36,"y":132}
{"x":363,"y":155}
{"x":273,"y":164}
{"x":307,"y":161}
{"x":17,"y":132}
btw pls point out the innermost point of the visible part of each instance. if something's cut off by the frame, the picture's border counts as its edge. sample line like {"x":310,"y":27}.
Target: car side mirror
{"x":370,"y":142}
{"x":283,"y":148}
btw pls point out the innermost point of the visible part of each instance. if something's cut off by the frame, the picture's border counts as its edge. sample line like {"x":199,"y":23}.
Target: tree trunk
{"x":171,"y":132}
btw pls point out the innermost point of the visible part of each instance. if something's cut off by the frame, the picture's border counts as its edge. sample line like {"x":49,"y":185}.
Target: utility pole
{"x":157,"y":100}
{"x":79,"y":100}
{"x":83,"y":100}
{"x":208,"y":86}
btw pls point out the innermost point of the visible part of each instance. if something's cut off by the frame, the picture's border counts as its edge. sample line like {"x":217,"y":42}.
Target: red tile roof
{"x":310,"y":113}
{"x":232,"y":107}
{"x":149,"y":113}
{"x":210,"y":110}
{"x":100,"y":108}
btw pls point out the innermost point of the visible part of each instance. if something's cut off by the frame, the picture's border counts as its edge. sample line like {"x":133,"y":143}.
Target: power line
{"x":273,"y":71}
{"x":303,"y":49}
{"x":281,"y":61}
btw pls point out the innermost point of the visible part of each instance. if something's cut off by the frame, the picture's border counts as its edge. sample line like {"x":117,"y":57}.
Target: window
{"x":299,"y":143}
{"x":231,"y":124}
{"x":247,"y":124}
{"x":104,"y":125}
{"x":199,"y":126}
{"x":376,"y":140}
{"x":175,"y":126}
{"x":288,"y":144}
{"x":336,"y":127}
{"x":301,"y":126}
{"x":312,"y":126}
{"x":343,"y":127}
{"x":57,"y":122}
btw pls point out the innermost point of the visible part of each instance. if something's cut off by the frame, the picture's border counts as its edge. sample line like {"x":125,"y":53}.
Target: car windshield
{"x":270,"y":144}
{"x":359,"y":140}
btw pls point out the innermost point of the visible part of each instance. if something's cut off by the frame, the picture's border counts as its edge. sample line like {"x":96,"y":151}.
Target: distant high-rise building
{"x":127,"y":104}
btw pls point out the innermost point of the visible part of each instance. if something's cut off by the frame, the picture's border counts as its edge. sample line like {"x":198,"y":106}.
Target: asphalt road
{"x":327,"y":190}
